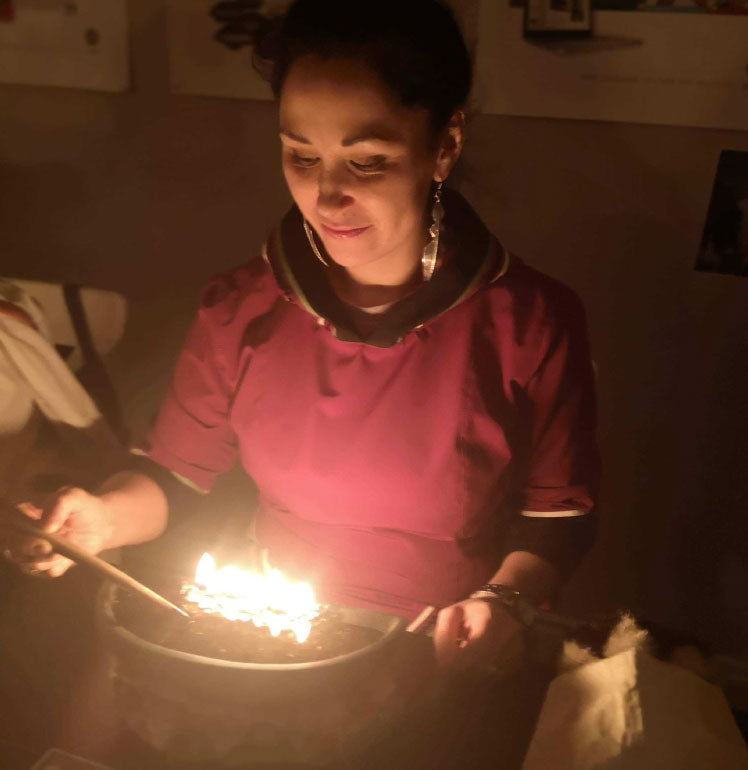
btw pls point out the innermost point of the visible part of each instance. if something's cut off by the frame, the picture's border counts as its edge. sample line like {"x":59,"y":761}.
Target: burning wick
{"x":268,"y":600}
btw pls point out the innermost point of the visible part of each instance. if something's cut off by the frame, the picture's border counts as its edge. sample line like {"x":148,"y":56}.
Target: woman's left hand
{"x":476,"y":633}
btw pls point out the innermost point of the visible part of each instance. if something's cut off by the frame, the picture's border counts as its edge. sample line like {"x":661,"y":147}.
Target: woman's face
{"x":358,"y":164}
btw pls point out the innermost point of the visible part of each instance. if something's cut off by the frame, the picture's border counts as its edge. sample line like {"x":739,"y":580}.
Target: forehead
{"x":343,"y":99}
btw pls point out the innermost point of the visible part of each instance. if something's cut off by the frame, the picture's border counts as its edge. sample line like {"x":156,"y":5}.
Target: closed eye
{"x":370,"y":165}
{"x":303,"y":161}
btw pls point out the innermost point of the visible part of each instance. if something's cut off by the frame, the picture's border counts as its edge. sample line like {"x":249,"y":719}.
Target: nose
{"x":333,"y":194}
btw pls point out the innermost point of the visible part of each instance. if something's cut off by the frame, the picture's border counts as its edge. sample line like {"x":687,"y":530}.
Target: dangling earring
{"x":428,"y":260}
{"x":310,"y":238}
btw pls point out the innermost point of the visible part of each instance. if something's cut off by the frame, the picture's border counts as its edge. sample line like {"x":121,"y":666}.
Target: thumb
{"x":58,"y":508}
{"x":30,"y":510}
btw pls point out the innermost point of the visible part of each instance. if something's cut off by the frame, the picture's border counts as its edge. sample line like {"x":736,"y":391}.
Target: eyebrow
{"x":371,"y":134}
{"x":294,"y":137}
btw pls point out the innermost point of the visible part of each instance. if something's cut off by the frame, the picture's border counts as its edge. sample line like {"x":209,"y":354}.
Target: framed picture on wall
{"x":211,"y":46}
{"x":724,"y":242}
{"x":666,"y":62}
{"x":551,"y":18}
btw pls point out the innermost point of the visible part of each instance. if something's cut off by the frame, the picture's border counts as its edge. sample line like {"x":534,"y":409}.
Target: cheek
{"x":302,"y":187}
{"x":402,"y":204}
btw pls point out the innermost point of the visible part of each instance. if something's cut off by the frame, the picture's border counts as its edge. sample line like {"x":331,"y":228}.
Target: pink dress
{"x":392,"y":470}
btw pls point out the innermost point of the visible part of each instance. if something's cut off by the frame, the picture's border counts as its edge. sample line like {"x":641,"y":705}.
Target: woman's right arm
{"x":128,"y":508}
{"x":191,"y":443}
{"x":135,"y":508}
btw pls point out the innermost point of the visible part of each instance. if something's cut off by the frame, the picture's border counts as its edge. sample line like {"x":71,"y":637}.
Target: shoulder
{"x":530,"y":317}
{"x":235,"y":314}
{"x":532,"y":301}
{"x":239,"y":295}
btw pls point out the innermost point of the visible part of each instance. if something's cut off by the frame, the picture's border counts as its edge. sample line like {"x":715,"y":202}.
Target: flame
{"x":266,"y":599}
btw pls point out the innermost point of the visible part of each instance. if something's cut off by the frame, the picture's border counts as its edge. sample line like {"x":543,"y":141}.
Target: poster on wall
{"x":724,"y":242}
{"x":211,"y":44}
{"x":668,"y":62}
{"x":67,"y":43}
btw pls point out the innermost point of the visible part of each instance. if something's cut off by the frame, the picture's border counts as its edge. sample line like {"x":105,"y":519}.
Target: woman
{"x":414,"y":404}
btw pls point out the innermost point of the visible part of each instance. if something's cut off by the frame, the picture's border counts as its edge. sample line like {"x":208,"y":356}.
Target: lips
{"x":343,"y":232}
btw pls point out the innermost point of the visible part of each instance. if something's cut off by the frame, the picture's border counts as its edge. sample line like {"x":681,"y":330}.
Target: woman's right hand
{"x":72,"y":513}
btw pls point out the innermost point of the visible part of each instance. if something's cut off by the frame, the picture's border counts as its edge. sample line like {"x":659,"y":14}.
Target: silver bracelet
{"x":496,"y":591}
{"x":520,"y":609}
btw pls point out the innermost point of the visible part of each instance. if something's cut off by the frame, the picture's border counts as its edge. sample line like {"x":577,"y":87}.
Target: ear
{"x":450,"y":146}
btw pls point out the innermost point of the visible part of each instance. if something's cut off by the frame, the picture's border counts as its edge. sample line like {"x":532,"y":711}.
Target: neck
{"x":372,"y":296}
{"x":381,"y":283}
{"x":371,"y":287}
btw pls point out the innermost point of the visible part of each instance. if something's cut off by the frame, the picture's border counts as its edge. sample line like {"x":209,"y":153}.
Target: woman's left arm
{"x":556,"y":524}
{"x":476,"y":631}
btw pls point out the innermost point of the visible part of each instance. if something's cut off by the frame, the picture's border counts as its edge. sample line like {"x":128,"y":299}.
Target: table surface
{"x":47,"y":698}
{"x":477,"y":725}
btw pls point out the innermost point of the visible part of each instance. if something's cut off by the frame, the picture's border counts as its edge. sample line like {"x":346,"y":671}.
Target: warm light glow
{"x":266,"y":599}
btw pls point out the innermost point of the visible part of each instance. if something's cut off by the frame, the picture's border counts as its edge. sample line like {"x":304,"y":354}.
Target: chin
{"x":347,"y":255}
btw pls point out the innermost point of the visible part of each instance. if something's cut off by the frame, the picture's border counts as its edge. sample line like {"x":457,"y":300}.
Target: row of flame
{"x":266,"y":599}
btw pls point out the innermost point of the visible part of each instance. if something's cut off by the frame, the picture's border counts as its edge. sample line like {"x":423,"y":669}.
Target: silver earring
{"x":431,"y":250}
{"x":310,"y":238}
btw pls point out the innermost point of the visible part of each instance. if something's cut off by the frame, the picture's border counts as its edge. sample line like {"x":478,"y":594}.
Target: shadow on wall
{"x":673,"y":395}
{"x":708,"y":526}
{"x":42,"y":204}
{"x":610,"y":211}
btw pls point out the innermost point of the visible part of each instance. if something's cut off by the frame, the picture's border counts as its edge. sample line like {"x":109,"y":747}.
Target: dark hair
{"x":415,"y":46}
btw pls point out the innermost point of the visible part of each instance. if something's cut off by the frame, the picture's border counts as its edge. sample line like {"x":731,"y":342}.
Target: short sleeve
{"x":557,"y":520}
{"x":192,"y":436}
{"x":563,"y":465}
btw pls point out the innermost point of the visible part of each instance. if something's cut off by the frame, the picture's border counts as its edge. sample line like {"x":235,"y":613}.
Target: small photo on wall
{"x":724,"y":242}
{"x":557,"y":17}
{"x":211,"y":46}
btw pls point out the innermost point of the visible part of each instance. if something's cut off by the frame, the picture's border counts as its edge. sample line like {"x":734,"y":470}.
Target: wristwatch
{"x":531,"y":616}
{"x":520,"y":609}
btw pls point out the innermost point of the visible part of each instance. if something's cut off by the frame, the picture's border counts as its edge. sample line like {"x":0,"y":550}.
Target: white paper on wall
{"x":687,"y":69}
{"x":199,"y":64}
{"x":68,"y":43}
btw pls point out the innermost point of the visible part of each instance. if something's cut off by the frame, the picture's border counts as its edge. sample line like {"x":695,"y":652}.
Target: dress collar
{"x":476,"y":258}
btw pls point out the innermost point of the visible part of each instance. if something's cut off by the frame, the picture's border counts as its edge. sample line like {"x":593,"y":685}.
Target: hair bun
{"x":415,"y":46}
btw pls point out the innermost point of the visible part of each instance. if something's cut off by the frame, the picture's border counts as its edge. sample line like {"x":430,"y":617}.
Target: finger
{"x":60,"y":567}
{"x":480,"y":635}
{"x":27,"y":559}
{"x":59,"y":507}
{"x":447,"y":634}
{"x":44,"y":565}
{"x":478,"y":617}
{"x":28,"y":569}
{"x":472,"y":653}
{"x":502,"y":642}
{"x":25,"y":547}
{"x":32,"y":567}
{"x":34,"y":547}
{"x":21,"y":549}
{"x":30,"y":510}
{"x":53,"y":567}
